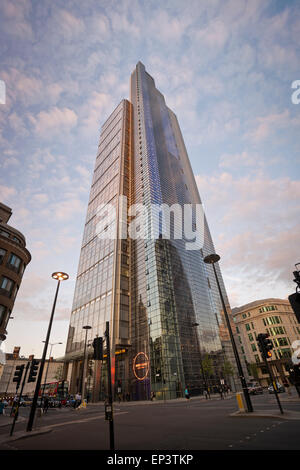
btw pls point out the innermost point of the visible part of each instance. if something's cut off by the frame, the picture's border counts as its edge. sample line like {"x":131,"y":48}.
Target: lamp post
{"x":86,"y":328}
{"x":212,"y":259}
{"x":51,"y":344}
{"x":58,"y":276}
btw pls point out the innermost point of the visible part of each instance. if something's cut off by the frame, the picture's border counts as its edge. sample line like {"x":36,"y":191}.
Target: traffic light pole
{"x":39,"y":379}
{"x":273,"y":382}
{"x":109,"y":413}
{"x":19,"y":400}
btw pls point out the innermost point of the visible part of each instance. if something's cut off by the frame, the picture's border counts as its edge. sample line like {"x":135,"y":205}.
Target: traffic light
{"x":297,"y":277}
{"x":295,"y":304}
{"x":297,"y":374}
{"x":265,"y":345}
{"x":18,"y":374}
{"x":33,"y":370}
{"x":98,"y":349}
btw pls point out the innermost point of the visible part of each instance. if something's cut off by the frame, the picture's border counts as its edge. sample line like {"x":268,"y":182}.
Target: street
{"x":196,"y":424}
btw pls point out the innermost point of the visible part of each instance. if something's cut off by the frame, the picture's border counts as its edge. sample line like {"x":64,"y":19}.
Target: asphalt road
{"x":186,"y":425}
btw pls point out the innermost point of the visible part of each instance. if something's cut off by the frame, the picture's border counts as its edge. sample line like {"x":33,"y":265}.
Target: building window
{"x":2,"y":254}
{"x":4,"y":233}
{"x":247,"y":327}
{"x":284,"y":352}
{"x":280,"y":342}
{"x":14,"y":262}
{"x":6,"y":285}
{"x":272,"y":320}
{"x":267,"y":309}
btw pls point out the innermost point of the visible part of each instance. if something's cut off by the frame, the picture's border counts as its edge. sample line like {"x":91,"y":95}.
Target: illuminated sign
{"x":141,"y":366}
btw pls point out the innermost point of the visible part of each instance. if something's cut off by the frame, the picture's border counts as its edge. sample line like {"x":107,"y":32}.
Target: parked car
{"x":280,"y":388}
{"x":255,"y":389}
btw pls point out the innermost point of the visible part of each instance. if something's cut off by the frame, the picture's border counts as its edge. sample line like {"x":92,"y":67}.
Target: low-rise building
{"x":275,"y":317}
{"x":52,"y":373}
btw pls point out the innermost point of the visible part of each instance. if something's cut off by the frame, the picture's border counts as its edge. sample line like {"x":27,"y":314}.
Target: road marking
{"x":83,"y":420}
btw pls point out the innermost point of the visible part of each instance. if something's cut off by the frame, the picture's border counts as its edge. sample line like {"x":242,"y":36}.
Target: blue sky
{"x":225,"y":68}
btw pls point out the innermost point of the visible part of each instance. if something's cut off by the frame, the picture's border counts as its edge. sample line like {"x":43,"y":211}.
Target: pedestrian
{"x":186,"y":393}
{"x":221,"y":392}
{"x":206,"y":394}
{"x":152,"y":396}
{"x":119,"y":394}
{"x":77,"y":400}
{"x":46,"y":405}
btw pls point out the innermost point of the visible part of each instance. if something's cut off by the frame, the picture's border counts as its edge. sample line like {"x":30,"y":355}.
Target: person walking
{"x":287,"y":385}
{"x":186,"y":393}
{"x":221,"y":392}
{"x":77,"y":400}
{"x":46,"y":405}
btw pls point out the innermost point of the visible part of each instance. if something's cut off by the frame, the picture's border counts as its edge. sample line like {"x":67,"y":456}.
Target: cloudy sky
{"x":225,"y":67}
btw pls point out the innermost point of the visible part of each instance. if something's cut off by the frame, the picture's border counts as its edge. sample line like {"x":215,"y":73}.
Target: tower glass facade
{"x":166,"y":320}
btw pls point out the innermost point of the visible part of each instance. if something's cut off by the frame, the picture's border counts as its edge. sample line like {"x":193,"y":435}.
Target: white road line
{"x":83,"y":420}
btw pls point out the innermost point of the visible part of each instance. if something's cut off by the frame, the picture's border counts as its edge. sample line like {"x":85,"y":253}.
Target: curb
{"x":268,"y":414}
{"x":24,"y":435}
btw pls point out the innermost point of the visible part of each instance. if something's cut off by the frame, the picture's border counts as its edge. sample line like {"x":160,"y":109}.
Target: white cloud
{"x":255,"y":227}
{"x":66,"y":25}
{"x":269,"y":124}
{"x":53,"y":122}
{"x":240,"y":159}
{"x":6,"y":192}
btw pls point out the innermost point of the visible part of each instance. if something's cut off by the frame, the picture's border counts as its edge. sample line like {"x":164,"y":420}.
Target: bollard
{"x":240,"y":401}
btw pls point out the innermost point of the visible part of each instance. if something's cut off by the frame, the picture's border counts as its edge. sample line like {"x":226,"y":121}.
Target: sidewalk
{"x":294,"y":415}
{"x":6,"y":420}
{"x":276,"y":412}
{"x":160,"y":402}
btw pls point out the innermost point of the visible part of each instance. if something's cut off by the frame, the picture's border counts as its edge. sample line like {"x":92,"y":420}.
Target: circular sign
{"x":141,"y":365}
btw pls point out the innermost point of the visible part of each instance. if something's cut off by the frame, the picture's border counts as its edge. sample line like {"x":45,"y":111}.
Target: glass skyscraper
{"x":167,"y":327}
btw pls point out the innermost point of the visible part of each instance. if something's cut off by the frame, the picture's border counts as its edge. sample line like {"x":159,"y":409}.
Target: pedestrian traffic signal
{"x":265,"y":345}
{"x":33,"y":370}
{"x":18,"y":374}
{"x":98,"y":349}
{"x":295,"y":304}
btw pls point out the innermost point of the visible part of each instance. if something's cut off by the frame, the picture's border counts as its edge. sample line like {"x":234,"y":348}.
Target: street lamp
{"x":51,"y":344}
{"x":86,"y":328}
{"x":212,"y":259}
{"x":58,"y":276}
